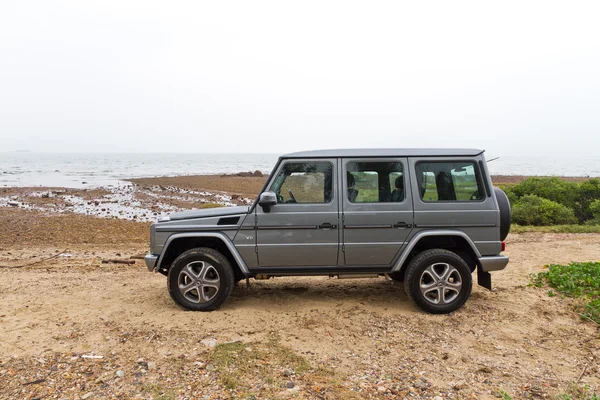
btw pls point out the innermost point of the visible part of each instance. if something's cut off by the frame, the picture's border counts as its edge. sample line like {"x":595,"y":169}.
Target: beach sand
{"x":73,"y":327}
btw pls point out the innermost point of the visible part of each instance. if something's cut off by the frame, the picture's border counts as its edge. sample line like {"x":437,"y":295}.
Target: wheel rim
{"x":199,"y":282}
{"x":440,"y":283}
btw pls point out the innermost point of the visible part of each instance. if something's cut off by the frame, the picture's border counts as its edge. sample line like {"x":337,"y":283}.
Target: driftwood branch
{"x":583,"y":372}
{"x":35,"y":262}
{"x":115,"y":261}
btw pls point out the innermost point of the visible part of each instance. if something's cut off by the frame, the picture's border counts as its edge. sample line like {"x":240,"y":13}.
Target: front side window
{"x":447,"y":181}
{"x":305,"y":183}
{"x":375,"y":182}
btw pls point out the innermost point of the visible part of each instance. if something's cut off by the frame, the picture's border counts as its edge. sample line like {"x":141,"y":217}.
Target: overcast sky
{"x":513,"y":78}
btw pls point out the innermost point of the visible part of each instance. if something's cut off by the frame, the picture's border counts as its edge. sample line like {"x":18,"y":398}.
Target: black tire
{"x":425,"y":267}
{"x":196,"y":288}
{"x":505,"y":213}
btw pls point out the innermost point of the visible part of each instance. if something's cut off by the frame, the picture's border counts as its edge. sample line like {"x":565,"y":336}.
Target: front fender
{"x":218,"y":235}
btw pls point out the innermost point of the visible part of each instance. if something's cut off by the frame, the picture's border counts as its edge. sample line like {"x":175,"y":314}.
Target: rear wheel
{"x":438,"y":281}
{"x":200,"y":279}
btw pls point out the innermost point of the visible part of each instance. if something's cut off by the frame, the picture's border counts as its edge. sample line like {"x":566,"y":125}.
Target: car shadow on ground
{"x":376,"y":292}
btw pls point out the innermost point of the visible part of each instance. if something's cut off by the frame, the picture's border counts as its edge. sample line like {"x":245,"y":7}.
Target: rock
{"x":459,"y":385}
{"x":209,"y":342}
{"x":210,"y":367}
{"x":258,"y":173}
{"x":290,"y":385}
{"x":151,"y":365}
{"x":421,"y":385}
{"x":438,"y":398}
{"x":381,"y":389}
{"x":13,"y":204}
{"x":120,"y":373}
{"x":87,"y":395}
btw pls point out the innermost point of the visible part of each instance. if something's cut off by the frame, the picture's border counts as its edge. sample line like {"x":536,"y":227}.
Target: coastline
{"x":148,"y":199}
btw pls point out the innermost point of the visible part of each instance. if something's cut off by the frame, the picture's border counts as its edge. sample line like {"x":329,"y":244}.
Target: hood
{"x":209,"y":212}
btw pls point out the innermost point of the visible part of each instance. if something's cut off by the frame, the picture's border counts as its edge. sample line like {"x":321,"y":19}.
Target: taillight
{"x":503,"y":246}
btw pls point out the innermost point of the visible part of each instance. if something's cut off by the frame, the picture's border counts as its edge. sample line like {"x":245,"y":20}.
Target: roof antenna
{"x":492,"y":159}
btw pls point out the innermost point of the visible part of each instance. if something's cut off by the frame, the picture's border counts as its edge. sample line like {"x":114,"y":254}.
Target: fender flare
{"x":218,"y":235}
{"x":413,"y":242}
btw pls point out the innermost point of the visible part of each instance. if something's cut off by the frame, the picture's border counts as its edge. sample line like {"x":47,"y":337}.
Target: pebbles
{"x":123,"y":201}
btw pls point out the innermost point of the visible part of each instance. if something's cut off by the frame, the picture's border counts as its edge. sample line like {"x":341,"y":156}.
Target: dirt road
{"x":292,"y":337}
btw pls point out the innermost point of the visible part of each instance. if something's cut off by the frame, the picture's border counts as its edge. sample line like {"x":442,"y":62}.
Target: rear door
{"x":450,"y":193}
{"x":377,"y":210}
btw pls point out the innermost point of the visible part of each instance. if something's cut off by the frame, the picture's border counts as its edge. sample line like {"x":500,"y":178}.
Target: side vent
{"x":229,"y":221}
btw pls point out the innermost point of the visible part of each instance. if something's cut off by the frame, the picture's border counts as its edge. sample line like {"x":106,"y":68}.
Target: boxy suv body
{"x":425,"y":217}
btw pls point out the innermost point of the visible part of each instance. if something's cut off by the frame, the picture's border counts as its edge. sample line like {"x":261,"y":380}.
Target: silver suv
{"x":426,"y":217}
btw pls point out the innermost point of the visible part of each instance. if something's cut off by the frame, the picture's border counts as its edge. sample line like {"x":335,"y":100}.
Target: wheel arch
{"x":455,"y":241}
{"x":180,"y":242}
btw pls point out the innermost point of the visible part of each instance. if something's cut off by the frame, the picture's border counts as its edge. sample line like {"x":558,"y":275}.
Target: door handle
{"x":327,"y":225}
{"x":402,"y":225}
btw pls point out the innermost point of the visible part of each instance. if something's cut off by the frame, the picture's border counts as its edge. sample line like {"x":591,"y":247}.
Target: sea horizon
{"x":93,"y":169}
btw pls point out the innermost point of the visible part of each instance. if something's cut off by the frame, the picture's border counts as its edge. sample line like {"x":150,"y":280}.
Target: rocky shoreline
{"x":147,"y":199}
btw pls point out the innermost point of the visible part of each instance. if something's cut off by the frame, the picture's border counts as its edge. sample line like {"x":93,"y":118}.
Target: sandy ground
{"x":75,"y":328}
{"x":370,"y":339}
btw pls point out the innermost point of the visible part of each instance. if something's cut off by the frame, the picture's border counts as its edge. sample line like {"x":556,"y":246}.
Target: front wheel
{"x":438,"y":281}
{"x":200,"y":279}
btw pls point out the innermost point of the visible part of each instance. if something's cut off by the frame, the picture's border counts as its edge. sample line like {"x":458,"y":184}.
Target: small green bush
{"x":512,"y":196}
{"x":595,"y":209}
{"x":534,"y":210}
{"x":587,"y":194}
{"x":555,"y":189}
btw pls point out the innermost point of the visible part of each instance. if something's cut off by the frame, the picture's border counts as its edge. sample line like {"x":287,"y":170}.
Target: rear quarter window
{"x":449,"y":181}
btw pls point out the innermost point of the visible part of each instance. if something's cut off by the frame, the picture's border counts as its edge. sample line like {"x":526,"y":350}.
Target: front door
{"x":377,"y":210}
{"x":302,"y":229}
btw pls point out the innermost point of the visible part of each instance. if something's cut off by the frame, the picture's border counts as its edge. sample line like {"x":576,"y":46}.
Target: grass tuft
{"x":262,"y":369}
{"x":210,"y":205}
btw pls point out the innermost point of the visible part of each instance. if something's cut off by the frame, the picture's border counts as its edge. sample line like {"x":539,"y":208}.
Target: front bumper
{"x":150,"y":261}
{"x":493,"y":263}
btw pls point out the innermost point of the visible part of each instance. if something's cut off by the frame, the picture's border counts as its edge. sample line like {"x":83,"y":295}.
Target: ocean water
{"x":79,"y":170}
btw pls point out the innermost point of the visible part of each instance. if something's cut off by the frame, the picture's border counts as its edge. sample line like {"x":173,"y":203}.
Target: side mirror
{"x":266,"y":200}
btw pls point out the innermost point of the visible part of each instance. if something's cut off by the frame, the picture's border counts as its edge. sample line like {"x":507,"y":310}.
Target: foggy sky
{"x":511,"y":77}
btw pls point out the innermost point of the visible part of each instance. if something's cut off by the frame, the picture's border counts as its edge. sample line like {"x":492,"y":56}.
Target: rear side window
{"x":375,"y":182}
{"x":448,"y":181}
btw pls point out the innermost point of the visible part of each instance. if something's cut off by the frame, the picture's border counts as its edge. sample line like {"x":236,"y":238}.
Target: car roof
{"x":417,"y":152}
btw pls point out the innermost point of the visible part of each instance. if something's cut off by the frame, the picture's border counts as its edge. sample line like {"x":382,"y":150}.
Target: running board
{"x":319,"y":271}
{"x":357,"y":276}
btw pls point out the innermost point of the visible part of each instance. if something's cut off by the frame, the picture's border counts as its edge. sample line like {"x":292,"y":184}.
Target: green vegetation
{"x":537,"y":211}
{"x":503,"y":395}
{"x":579,"y":281}
{"x":576,"y":392}
{"x":553,"y":201}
